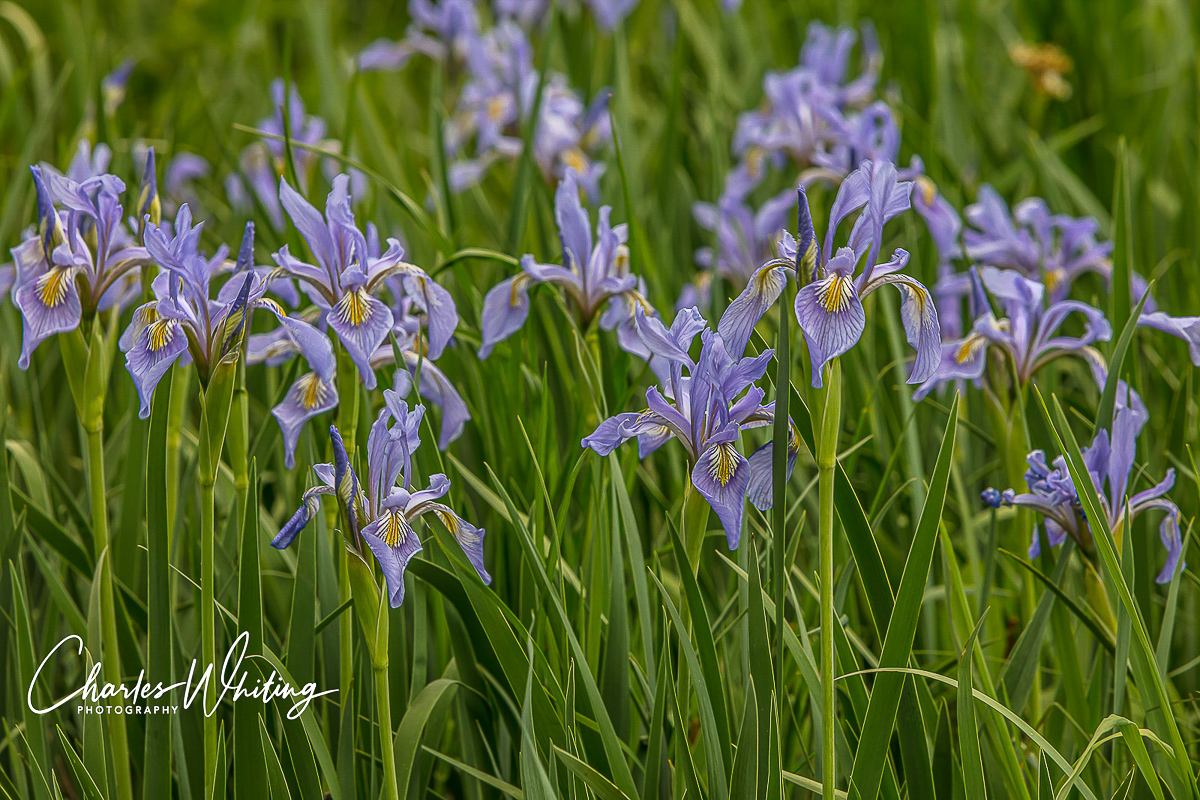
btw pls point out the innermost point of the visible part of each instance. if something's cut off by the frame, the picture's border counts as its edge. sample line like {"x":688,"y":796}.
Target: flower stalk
{"x":826,"y":475}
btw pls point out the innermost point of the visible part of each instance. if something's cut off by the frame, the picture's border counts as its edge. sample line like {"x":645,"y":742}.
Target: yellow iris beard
{"x":835,"y":294}
{"x":723,"y":463}
{"x":354,"y":308}
{"x":52,"y":287}
{"x":312,"y":393}
{"x":162,"y":331}
{"x":396,"y":530}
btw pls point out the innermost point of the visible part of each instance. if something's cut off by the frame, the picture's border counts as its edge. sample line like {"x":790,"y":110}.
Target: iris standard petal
{"x":574,"y":227}
{"x":311,"y":225}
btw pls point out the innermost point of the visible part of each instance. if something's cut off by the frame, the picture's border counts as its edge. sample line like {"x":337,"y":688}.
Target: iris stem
{"x":779,"y":457}
{"x":119,"y":740}
{"x":827,"y":474}
{"x":383,"y":704}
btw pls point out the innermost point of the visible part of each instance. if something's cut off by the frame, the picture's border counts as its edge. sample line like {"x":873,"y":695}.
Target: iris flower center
{"x":396,"y":530}
{"x":312,"y":391}
{"x":723,"y":463}
{"x":835,"y":293}
{"x":52,"y":287}
{"x":354,"y":307}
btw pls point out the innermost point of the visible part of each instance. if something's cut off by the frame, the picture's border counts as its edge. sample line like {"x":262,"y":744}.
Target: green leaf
{"x":744,"y":782}
{"x":412,"y":727}
{"x":601,"y":786}
{"x":608,"y":735}
{"x":156,"y":781}
{"x":706,"y":650}
{"x":274,"y":770}
{"x":898,"y":642}
{"x":250,"y":762}
{"x":713,"y":746}
{"x":1108,"y":397}
{"x":82,"y":777}
{"x":968,"y":732}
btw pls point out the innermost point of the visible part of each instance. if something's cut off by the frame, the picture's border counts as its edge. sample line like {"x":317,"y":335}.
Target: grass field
{"x":606,"y":638}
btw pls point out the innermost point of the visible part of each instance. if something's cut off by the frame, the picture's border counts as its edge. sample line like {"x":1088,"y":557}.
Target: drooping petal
{"x":440,"y":312}
{"x":438,"y":390}
{"x":156,"y":348}
{"x":308,"y":397}
{"x":1186,"y":328}
{"x":722,"y":476}
{"x":763,"y":289}
{"x":919,"y":315}
{"x":469,"y":538}
{"x":962,"y":359}
{"x":760,"y":488}
{"x":831,"y":315}
{"x":610,"y":433}
{"x":505,"y":309}
{"x":361,"y":322}
{"x":310,"y":505}
{"x":394,"y":543}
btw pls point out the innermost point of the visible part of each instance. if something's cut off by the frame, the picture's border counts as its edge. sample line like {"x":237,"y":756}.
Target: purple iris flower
{"x":381,"y":513}
{"x":804,"y":105}
{"x":1054,"y":248}
{"x":611,"y":13}
{"x":345,"y":279}
{"x":438,"y":30}
{"x":829,"y":303}
{"x":706,"y":409}
{"x":262,"y":162}
{"x":80,"y":260}
{"x":114,"y":84}
{"x":185,"y":322}
{"x":1027,"y":332}
{"x":1109,"y":462}
{"x":500,"y":96}
{"x":746,"y":238}
{"x":592,"y":275}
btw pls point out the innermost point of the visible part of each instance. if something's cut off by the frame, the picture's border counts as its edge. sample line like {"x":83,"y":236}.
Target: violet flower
{"x":706,"y":409}
{"x":381,"y":514}
{"x":80,"y":261}
{"x":1027,"y":332}
{"x":829,"y":303}
{"x":592,"y":275}
{"x":1109,"y":462}
{"x":438,"y":30}
{"x":346,"y":278}
{"x":185,"y":323}
{"x":1053,"y":248}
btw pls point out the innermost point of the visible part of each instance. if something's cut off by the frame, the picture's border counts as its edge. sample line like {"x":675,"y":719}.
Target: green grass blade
{"x":898,"y":642}
{"x":157,"y":778}
{"x":968,"y":732}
